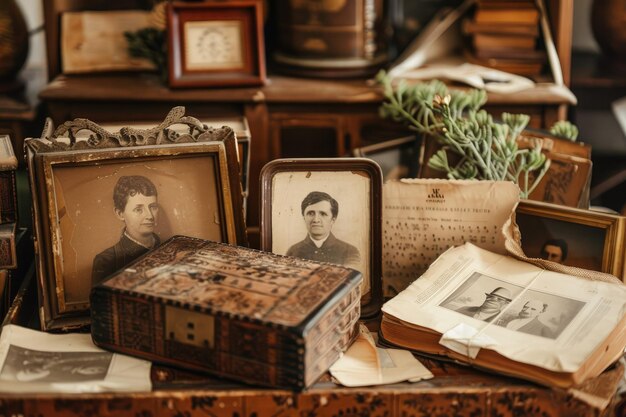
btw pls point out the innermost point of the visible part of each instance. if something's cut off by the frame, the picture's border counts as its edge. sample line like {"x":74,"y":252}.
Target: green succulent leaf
{"x":565,"y":129}
{"x":439,"y":161}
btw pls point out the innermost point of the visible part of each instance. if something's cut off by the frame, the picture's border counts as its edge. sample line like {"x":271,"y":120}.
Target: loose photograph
{"x":38,"y":362}
{"x":28,"y":365}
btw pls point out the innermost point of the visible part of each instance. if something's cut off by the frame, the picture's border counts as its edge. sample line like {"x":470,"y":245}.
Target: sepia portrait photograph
{"x":314,"y":218}
{"x":481,"y":297}
{"x":110,"y":214}
{"x":558,"y":241}
{"x":553,"y":233}
{"x":540,"y":314}
{"x":308,"y":214}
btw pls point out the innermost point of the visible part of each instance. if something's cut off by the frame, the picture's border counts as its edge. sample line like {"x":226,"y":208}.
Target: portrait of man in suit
{"x":494,"y":303}
{"x":135,"y":204}
{"x":319,"y":212}
{"x":554,"y":250}
{"x":528,"y":321}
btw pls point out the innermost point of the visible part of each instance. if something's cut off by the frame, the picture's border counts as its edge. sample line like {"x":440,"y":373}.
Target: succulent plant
{"x":150,"y":42}
{"x":565,"y":129}
{"x":486,"y":149}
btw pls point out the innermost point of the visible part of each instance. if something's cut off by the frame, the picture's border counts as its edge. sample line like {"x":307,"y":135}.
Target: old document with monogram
{"x":248,"y":315}
{"x":424,"y":217}
{"x":509,"y":316}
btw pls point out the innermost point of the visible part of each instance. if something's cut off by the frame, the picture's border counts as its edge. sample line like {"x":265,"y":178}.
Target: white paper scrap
{"x":364,"y":364}
{"x":466,"y":340}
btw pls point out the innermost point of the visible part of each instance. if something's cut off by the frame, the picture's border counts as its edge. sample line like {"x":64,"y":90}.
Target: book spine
{"x":369,"y":30}
{"x":7,"y":246}
{"x":8,"y":197}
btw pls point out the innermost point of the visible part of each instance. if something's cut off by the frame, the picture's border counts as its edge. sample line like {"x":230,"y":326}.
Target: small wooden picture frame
{"x":213,"y":44}
{"x":397,"y":158}
{"x":346,"y":194}
{"x":575,"y":237}
{"x":102,"y":202}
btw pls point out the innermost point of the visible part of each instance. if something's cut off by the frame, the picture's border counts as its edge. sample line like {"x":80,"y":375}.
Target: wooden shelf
{"x":591,"y":69}
{"x":279,"y":89}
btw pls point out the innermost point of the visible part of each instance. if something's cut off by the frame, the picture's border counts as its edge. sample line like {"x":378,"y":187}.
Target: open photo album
{"x":494,"y":312}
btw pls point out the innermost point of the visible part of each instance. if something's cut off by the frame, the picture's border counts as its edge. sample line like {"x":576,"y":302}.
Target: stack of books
{"x":505,"y":35}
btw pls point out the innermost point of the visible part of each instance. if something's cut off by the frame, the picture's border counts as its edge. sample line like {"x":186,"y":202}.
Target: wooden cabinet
{"x":288,"y":117}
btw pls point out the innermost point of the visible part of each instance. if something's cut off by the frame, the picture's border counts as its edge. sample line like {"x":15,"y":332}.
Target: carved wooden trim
{"x":100,"y":138}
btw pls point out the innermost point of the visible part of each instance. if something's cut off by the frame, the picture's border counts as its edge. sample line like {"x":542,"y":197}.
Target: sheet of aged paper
{"x":94,"y":41}
{"x":32,"y":361}
{"x":478,"y":299}
{"x":424,"y":217}
{"x":365,"y":364}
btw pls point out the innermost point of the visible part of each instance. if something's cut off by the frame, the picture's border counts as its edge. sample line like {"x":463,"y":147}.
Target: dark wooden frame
{"x":613,"y":226}
{"x":375,"y":151}
{"x":60,"y":149}
{"x":248,"y":12}
{"x":370,"y":306}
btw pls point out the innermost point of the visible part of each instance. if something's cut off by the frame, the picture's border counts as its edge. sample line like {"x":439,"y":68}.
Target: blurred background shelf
{"x":597,"y":81}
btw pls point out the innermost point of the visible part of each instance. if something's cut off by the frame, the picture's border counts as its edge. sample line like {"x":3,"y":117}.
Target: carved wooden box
{"x":231,"y":311}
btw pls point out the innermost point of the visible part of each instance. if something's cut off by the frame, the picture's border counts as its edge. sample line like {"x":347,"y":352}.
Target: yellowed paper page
{"x":94,"y":41}
{"x":424,"y":217}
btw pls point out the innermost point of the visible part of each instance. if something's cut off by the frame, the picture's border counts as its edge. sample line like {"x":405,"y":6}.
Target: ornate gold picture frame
{"x":100,"y":203}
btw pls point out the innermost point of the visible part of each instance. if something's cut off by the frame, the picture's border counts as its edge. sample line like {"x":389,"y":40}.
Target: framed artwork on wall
{"x":213,"y":44}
